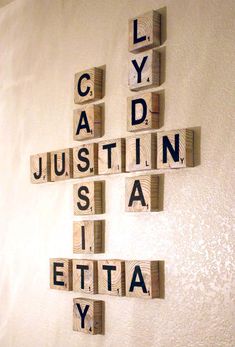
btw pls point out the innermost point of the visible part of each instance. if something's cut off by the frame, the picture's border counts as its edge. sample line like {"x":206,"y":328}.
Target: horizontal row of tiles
{"x":162,"y":150}
{"x":134,"y":278}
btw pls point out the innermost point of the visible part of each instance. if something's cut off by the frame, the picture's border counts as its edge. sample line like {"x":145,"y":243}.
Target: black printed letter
{"x":109,"y":148}
{"x":109,"y":268}
{"x":80,"y":92}
{"x":82,"y":268}
{"x":139,"y":197}
{"x":139,"y":68}
{"x":135,"y":36}
{"x":82,"y":314}
{"x":135,"y":121}
{"x":83,"y":123}
{"x":62,"y":171}
{"x":39,"y":174}
{"x":83,"y":197}
{"x":81,"y":153}
{"x":57,"y":273}
{"x":175,"y":153}
{"x":140,"y":283}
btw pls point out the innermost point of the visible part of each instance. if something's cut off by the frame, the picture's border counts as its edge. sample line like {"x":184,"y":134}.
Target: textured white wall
{"x":42,"y":44}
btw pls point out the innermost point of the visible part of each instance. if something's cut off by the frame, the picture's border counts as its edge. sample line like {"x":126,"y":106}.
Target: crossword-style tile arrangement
{"x":139,"y":152}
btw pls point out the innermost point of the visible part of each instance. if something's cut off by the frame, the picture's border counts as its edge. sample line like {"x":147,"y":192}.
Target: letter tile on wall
{"x":88,"y":315}
{"x":145,"y":31}
{"x":61,"y":274}
{"x":143,"y":112}
{"x":61,"y":164}
{"x":88,"y":237}
{"x":111,"y":274}
{"x":40,"y":168}
{"x":87,"y":123}
{"x":85,"y":274}
{"x":142,"y":279}
{"x":88,"y":85}
{"x":85,"y":160}
{"x":142,"y":193}
{"x":88,"y":198}
{"x":144,"y":70}
{"x":141,"y":152}
{"x":175,"y":149}
{"x":111,"y":156}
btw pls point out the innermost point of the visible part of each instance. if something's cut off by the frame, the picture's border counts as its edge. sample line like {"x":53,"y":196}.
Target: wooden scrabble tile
{"x":61,"y":274}
{"x":111,"y":156}
{"x":142,"y":279}
{"x":88,"y":85}
{"x":144,"y":70}
{"x":145,"y":31}
{"x":143,"y":112}
{"x":85,"y":160}
{"x":40,"y":168}
{"x":111,"y":274}
{"x":88,"y":198}
{"x":87,"y":123}
{"x":88,"y":237}
{"x":141,"y":152}
{"x":88,"y":315}
{"x":85,"y":274}
{"x":142,"y":193}
{"x":175,"y":149}
{"x":61,"y":164}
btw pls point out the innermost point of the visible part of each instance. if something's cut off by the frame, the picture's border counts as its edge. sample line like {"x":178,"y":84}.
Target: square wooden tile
{"x":175,"y":149}
{"x":144,"y":70}
{"x":111,"y":155}
{"x":40,"y":168}
{"x":61,"y":164}
{"x":145,"y":31}
{"x":88,"y":237}
{"x":85,"y":276}
{"x":111,"y":275}
{"x":88,"y":316}
{"x":88,"y":198}
{"x":142,"y":279}
{"x":88,"y":85}
{"x":142,"y":193}
{"x":87,"y":123}
{"x":61,"y":274}
{"x":143,"y":112}
{"x":85,"y":160}
{"x":141,"y":152}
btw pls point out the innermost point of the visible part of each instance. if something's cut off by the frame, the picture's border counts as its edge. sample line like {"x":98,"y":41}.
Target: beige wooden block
{"x":87,"y":123}
{"x":175,"y":149}
{"x":143,"y":112}
{"x":85,"y":160}
{"x":111,"y":155}
{"x":88,"y":237}
{"x":145,"y":31}
{"x":61,"y":274}
{"x":111,"y":275}
{"x":88,"y":316}
{"x":88,"y":198}
{"x":85,"y":276}
{"x":40,"y":168}
{"x":141,"y":152}
{"x":144,"y":70}
{"x":61,"y":164}
{"x":142,"y":193}
{"x":142,"y":279}
{"x":88,"y":85}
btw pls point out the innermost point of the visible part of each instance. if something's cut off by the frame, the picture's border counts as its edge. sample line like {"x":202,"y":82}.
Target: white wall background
{"x":42,"y":44}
